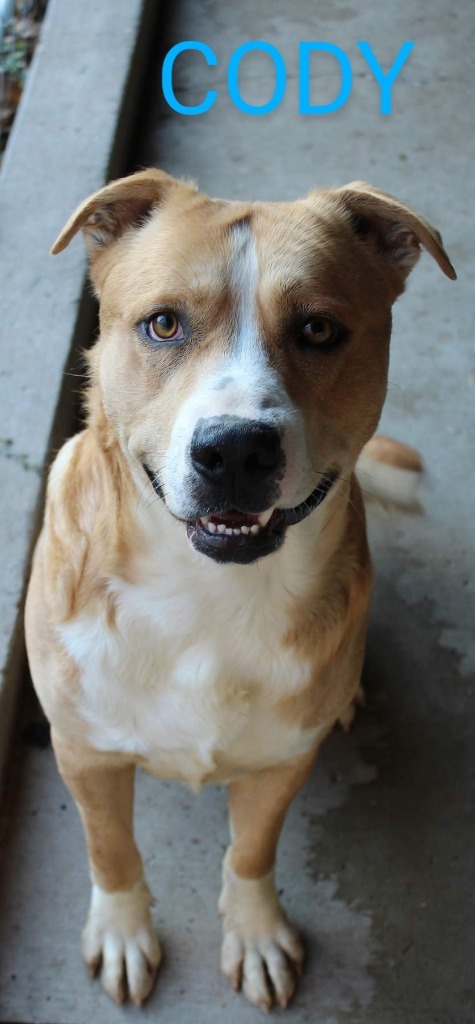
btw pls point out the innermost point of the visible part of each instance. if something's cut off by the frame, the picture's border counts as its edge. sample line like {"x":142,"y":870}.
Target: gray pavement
{"x":62,"y":146}
{"x":376,"y":859}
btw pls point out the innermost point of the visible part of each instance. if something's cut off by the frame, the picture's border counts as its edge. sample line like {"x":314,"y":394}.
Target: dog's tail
{"x":390,"y":471}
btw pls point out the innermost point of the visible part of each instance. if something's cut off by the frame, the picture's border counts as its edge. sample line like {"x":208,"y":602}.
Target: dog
{"x":198,"y":601}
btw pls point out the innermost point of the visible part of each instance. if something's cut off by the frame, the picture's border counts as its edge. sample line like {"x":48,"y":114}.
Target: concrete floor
{"x":376,"y":862}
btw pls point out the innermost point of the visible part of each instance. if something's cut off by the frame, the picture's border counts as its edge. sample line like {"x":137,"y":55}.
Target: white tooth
{"x":237,"y":531}
{"x":221,"y":528}
{"x":205,"y":520}
{"x":211,"y":527}
{"x":255,"y":528}
{"x":264,"y":517}
{"x":245,"y":529}
{"x":229,"y":532}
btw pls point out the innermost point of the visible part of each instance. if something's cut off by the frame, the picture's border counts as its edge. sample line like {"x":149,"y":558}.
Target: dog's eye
{"x":165,"y":327}
{"x":320,"y":331}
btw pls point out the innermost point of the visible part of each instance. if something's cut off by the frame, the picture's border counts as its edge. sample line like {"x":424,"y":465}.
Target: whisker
{"x":349,"y":501}
{"x":156,"y":477}
{"x":392,"y":384}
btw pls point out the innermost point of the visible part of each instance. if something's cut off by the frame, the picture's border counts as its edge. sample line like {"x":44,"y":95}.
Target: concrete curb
{"x":71,"y":133}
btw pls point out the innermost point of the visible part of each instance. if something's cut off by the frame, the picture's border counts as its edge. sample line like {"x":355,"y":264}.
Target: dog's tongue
{"x":235,"y":518}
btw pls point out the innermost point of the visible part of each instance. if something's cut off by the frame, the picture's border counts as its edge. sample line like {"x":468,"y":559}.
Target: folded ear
{"x":122,"y":204}
{"x":390,"y":227}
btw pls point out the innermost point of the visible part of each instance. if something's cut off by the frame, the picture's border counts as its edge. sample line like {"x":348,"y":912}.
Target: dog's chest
{"x":189,"y":677}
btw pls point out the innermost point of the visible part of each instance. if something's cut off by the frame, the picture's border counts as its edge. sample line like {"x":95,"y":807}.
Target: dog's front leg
{"x":261,"y":951}
{"x":118,"y":937}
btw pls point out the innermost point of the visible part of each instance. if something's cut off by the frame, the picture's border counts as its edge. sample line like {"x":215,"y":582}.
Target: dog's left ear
{"x":115,"y":208}
{"x":392,"y":230}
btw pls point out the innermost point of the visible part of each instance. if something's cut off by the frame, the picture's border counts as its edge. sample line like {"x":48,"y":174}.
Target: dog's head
{"x":242,"y":359}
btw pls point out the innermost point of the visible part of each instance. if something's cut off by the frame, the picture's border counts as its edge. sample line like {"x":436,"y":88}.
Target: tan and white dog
{"x":199,"y":596}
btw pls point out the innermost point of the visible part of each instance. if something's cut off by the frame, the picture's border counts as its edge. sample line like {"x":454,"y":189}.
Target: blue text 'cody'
{"x":384,"y":79}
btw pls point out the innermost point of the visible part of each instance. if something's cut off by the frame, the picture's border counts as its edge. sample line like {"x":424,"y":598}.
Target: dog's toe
{"x":232,"y":957}
{"x":255,"y":986}
{"x":113,"y":974}
{"x":280,"y":972}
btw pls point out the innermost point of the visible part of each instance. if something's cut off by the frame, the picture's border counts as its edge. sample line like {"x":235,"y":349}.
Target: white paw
{"x":119,"y":938}
{"x":261,"y":952}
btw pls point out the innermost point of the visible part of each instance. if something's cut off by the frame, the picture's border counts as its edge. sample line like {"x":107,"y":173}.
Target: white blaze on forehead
{"x":245,"y":382}
{"x":242,"y":382}
{"x":244,"y":280}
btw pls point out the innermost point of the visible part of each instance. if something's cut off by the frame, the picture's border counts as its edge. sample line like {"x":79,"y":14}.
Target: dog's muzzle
{"x":234,"y":482}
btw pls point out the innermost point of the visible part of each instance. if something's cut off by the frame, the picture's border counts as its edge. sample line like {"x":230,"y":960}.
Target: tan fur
{"x":338,"y":616}
{"x":117,"y":602}
{"x":104,"y":796}
{"x":393,"y":453}
{"x":258,"y":805}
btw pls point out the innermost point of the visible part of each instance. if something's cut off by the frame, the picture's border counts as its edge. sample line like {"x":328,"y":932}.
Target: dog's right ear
{"x":116,"y":208}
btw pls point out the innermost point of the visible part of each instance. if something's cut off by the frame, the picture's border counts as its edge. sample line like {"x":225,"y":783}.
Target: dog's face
{"x":243,"y":354}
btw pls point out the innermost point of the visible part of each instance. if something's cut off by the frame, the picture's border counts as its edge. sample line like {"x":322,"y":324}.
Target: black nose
{"x":237,"y":455}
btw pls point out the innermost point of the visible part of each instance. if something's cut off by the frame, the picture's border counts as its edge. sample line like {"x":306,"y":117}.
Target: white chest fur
{"x":189,"y":676}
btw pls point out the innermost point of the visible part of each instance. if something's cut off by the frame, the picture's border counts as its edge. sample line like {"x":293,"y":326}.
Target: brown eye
{"x":165,"y":327}
{"x":320,"y":331}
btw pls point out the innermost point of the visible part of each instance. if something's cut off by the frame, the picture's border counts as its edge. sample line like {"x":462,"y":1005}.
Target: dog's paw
{"x":119,"y":941}
{"x":261,"y":953}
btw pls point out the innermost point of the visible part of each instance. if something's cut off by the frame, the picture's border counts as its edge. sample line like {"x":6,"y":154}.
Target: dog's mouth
{"x":244,"y":537}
